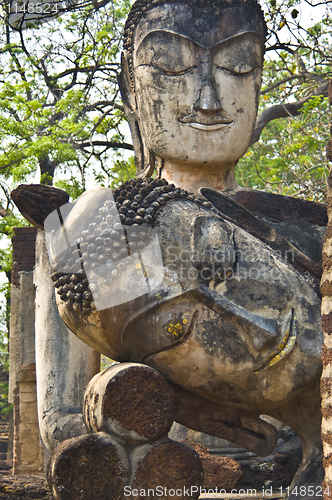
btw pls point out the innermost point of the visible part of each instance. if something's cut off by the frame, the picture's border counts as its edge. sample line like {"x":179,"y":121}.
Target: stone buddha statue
{"x":191,"y":75}
{"x":181,"y":269}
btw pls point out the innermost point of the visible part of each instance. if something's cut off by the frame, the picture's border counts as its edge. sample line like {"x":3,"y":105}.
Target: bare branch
{"x":284,"y":111}
{"x":311,"y":76}
{"x":315,"y":3}
{"x":108,"y":144}
{"x":100,"y":104}
{"x":287,"y":79}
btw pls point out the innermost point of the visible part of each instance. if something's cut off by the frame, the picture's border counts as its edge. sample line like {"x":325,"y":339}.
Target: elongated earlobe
{"x":143,"y":159}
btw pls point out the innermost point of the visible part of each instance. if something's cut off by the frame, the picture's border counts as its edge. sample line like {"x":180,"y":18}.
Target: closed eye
{"x":238,"y":56}
{"x":173,"y":72}
{"x":169,"y":53}
{"x":239,"y":71}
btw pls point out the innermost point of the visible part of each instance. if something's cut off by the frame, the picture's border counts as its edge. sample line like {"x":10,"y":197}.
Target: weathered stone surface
{"x":241,"y":427}
{"x":24,"y":243}
{"x":88,"y":467}
{"x":221,"y":472}
{"x":131,"y":400}
{"x":245,"y":335}
{"x":258,"y":316}
{"x":329,"y":90}
{"x":329,"y":150}
{"x":282,"y":207}
{"x":24,"y":487}
{"x":248,"y":336}
{"x":285,"y":467}
{"x":37,"y":201}
{"x":283,"y":224}
{"x":171,"y":466}
{"x":325,"y":386}
{"x":186,"y":123}
{"x":63,"y":362}
{"x":28,"y":454}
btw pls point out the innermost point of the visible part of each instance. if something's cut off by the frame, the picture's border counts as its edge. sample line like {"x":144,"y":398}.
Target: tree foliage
{"x":61,"y":116}
{"x":60,"y":110}
{"x":290,"y":157}
{"x":62,"y":120}
{"x":288,"y":154}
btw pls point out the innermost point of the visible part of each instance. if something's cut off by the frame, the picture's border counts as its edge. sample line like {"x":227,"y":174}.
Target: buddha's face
{"x":197,"y":81}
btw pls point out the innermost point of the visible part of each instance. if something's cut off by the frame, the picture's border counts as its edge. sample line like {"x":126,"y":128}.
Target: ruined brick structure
{"x":27,"y":448}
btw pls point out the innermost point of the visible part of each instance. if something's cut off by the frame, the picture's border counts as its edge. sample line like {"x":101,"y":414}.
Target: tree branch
{"x":315,"y":3}
{"x":277,"y":84}
{"x":284,"y":111}
{"x":3,"y":211}
{"x":108,"y":144}
{"x":101,"y":104}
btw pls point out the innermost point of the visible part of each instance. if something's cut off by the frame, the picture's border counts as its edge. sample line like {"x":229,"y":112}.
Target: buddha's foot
{"x":128,"y":411}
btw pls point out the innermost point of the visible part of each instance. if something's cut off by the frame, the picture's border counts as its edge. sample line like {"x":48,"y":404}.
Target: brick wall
{"x":27,"y":448}
{"x":24,"y":243}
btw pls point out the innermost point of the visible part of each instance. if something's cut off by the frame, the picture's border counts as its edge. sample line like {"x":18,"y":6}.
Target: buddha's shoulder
{"x":301,"y":221}
{"x":281,"y":208}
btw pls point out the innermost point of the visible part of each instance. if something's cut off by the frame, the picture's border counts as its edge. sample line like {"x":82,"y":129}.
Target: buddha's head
{"x":190,"y":81}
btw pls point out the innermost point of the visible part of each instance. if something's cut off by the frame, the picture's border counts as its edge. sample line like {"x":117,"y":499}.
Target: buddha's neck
{"x":193,"y":177}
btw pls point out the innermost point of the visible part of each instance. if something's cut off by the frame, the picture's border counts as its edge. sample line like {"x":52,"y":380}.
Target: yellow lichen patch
{"x":175,"y":330}
{"x":176,"y":326}
{"x":289,"y":346}
{"x":284,"y":340}
{"x":284,"y":347}
{"x":275,"y":360}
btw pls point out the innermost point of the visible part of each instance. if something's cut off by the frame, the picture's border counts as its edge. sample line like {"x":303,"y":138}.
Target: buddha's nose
{"x":207,"y":101}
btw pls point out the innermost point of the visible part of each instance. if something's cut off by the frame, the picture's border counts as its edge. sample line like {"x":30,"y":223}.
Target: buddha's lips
{"x":202,"y":123}
{"x":201,"y":126}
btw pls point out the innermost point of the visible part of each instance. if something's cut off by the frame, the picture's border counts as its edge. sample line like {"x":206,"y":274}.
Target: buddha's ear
{"x":126,"y":85}
{"x":143,"y":161}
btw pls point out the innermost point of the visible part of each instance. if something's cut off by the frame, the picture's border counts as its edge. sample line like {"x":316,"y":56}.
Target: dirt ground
{"x":34,"y":487}
{"x":24,"y":487}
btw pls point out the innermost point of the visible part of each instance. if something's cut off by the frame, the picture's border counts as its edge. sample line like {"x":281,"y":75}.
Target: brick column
{"x":27,"y":448}
{"x":24,"y":245}
{"x":326,"y":290}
